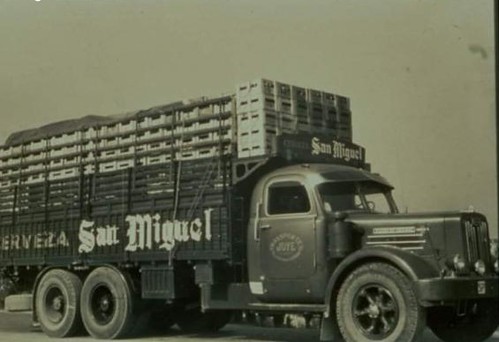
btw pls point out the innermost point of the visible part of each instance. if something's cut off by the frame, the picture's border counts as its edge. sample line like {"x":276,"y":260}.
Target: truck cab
{"x":292,"y":208}
{"x":331,"y":235}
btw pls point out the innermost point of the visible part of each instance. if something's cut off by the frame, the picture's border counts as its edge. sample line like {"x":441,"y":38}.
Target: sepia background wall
{"x":420,"y":74}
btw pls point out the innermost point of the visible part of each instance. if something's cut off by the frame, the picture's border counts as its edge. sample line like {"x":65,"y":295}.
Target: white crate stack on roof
{"x":266,"y":109}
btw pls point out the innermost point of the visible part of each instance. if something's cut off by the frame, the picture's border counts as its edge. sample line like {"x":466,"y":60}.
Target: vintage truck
{"x":258,"y":201}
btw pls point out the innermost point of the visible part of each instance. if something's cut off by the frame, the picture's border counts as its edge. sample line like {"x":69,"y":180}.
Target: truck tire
{"x":479,"y":324}
{"x":57,"y":303}
{"x":195,"y":321}
{"x":107,"y":304}
{"x":377,"y":302}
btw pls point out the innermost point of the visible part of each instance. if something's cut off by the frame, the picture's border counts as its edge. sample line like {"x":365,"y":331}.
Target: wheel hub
{"x":57,"y":303}
{"x":375,"y":311}
{"x":105,"y":303}
{"x":54,"y":304}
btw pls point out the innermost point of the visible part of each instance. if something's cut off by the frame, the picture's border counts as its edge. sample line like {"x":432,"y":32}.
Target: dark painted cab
{"x":312,"y":226}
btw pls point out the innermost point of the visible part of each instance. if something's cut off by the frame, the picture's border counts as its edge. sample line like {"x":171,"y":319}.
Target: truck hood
{"x":437,"y":236}
{"x":365,"y":219}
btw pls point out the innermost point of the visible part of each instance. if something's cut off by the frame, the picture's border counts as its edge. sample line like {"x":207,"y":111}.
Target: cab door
{"x":287,"y":235}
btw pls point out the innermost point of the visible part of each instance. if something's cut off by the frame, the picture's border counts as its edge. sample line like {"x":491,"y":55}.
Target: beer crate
{"x":258,"y":88}
{"x":5,"y":151}
{"x":108,"y":142}
{"x":342,"y":102}
{"x":250,"y":104}
{"x":107,"y":166}
{"x":328,"y":99}
{"x":298,"y":93}
{"x":126,"y":139}
{"x":88,"y":134}
{"x":62,"y":151}
{"x":283,"y":90}
{"x":36,"y":145}
{"x":39,"y":177}
{"x":127,"y":126}
{"x":314,"y":96}
{"x":65,"y":138}
{"x":108,"y":130}
{"x":258,"y":119}
{"x":36,"y":156}
{"x":64,"y":173}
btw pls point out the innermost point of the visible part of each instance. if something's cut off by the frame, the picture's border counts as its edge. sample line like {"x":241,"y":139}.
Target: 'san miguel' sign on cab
{"x":316,"y":148}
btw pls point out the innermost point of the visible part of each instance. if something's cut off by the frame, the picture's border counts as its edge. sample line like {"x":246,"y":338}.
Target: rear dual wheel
{"x":107,"y":304}
{"x":58,"y":303}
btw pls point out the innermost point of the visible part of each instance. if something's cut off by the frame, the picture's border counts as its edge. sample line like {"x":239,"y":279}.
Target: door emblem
{"x":286,"y":247}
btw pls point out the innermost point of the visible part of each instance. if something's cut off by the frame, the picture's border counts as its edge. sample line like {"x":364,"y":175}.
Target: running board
{"x":287,"y":307}
{"x":237,"y":296}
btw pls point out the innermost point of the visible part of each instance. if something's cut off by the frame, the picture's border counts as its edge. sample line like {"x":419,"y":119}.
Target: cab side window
{"x":287,"y":198}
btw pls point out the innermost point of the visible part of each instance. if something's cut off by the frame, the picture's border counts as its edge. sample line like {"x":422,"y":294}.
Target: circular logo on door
{"x":286,"y":247}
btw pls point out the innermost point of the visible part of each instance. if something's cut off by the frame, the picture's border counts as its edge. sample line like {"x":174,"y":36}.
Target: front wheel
{"x":479,"y":322}
{"x":377,"y":302}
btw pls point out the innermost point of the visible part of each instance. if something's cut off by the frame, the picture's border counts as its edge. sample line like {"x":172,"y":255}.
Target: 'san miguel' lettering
{"x":144,"y":229}
{"x":336,"y":149}
{"x":91,"y":237}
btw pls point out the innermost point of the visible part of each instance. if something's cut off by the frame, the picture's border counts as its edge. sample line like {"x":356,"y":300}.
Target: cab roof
{"x":333,"y":173}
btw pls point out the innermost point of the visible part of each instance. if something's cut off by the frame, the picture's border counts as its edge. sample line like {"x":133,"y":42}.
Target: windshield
{"x":356,"y":196}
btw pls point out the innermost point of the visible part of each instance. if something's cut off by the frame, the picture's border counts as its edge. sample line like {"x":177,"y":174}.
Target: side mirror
{"x":340,"y":215}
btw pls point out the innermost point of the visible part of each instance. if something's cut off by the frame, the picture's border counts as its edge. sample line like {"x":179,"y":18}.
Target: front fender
{"x":413,"y":266}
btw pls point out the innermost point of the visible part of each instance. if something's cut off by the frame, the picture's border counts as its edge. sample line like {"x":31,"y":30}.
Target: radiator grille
{"x":477,"y":241}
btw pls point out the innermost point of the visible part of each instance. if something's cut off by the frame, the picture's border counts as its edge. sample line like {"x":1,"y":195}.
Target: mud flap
{"x":329,"y":330}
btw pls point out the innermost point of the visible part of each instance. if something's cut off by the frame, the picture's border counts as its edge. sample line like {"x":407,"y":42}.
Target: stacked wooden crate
{"x":161,"y":134}
{"x":267,"y":109}
{"x":242,"y":125}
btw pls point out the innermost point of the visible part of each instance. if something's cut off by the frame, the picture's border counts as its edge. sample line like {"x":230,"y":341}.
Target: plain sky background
{"x":420,"y":74}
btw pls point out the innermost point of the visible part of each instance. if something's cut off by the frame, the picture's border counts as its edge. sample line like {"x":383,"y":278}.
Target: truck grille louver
{"x":477,"y":241}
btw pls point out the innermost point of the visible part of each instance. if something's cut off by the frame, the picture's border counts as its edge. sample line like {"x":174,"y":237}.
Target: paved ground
{"x":17,"y":328}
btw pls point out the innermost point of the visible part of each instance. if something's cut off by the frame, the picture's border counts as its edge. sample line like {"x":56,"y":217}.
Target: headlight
{"x":480,"y":267}
{"x":459,"y":263}
{"x":494,"y":249}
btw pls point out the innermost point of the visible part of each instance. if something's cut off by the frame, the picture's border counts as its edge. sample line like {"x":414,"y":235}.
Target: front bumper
{"x":437,"y":290}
